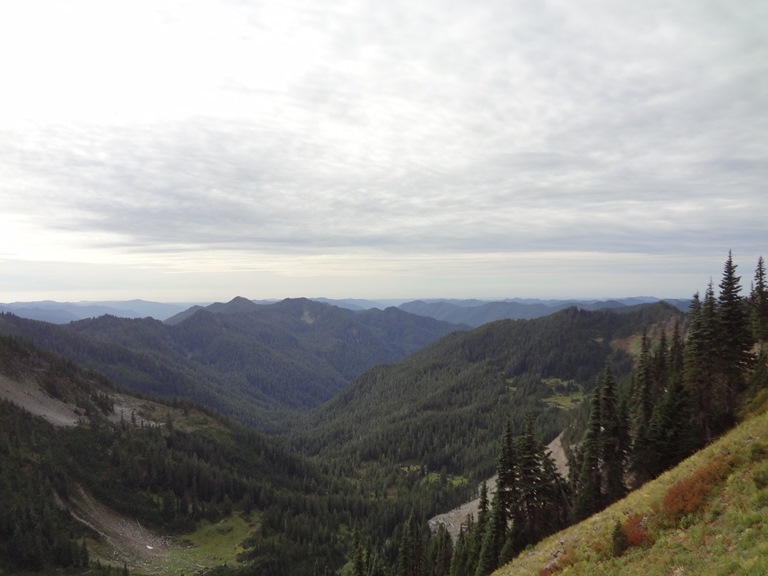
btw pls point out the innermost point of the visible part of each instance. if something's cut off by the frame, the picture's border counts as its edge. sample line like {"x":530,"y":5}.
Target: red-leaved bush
{"x":689,"y":495}
{"x":635,"y":528}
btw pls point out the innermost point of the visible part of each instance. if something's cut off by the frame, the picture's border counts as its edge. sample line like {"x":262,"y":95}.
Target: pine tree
{"x":589,"y":495}
{"x":758,"y":305}
{"x":506,"y":470}
{"x":661,"y":366}
{"x":478,"y":529}
{"x":461,"y":561}
{"x":441,"y":552}
{"x":493,"y":539}
{"x":613,"y":450}
{"x":758,"y":300}
{"x":643,"y":385}
{"x":735,"y":336}
{"x":701,"y":365}
{"x":409,"y":556}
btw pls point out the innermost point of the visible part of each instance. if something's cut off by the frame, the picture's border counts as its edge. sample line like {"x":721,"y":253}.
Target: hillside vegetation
{"x":445,"y":407}
{"x":708,"y":515}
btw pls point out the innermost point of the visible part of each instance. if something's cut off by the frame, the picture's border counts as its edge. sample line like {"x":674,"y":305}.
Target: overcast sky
{"x":195,"y":151}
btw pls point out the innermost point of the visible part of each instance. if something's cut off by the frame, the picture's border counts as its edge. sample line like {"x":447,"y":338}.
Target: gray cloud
{"x":447,"y":128}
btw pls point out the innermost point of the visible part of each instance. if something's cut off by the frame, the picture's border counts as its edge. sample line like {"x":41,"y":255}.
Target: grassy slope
{"x":729,"y":535}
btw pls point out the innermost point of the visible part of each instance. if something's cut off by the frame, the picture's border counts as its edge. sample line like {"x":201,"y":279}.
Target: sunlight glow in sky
{"x":198,"y":150}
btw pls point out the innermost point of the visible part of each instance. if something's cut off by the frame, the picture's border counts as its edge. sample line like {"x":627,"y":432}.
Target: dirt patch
{"x":31,"y":397}
{"x":126,"y":539}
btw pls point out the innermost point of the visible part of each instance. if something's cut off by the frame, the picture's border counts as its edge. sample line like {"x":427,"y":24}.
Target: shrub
{"x":689,"y":495}
{"x":635,"y":529}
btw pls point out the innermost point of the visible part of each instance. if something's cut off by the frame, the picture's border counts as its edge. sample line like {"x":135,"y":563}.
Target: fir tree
{"x":493,"y":539}
{"x":735,"y":337}
{"x":613,"y":449}
{"x":410,"y":554}
{"x":589,"y":494}
{"x":758,"y":306}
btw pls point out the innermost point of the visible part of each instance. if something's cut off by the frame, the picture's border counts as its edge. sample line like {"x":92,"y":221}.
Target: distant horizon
{"x":351,"y":298}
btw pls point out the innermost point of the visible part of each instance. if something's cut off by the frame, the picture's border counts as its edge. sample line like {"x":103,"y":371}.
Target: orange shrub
{"x":689,"y":495}
{"x":635,"y":528}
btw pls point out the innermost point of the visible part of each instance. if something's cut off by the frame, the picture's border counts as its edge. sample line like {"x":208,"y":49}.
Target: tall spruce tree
{"x":493,"y":539}
{"x":409,"y":558}
{"x":613,"y":448}
{"x":735,"y":336}
{"x":589,"y":493}
{"x":758,"y":305}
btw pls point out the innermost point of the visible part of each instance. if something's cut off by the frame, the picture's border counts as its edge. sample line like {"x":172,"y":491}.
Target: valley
{"x":300,"y":438}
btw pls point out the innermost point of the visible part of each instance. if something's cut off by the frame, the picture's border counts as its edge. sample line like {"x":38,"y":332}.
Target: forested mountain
{"x":684,"y":392}
{"x":349,"y":490}
{"x":445,"y":406}
{"x":257,"y":363}
{"x":477,"y":312}
{"x":165,"y":466}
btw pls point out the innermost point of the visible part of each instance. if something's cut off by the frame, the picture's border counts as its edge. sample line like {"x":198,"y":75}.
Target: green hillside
{"x":89,"y":473}
{"x":444,"y":407}
{"x":706,"y":516}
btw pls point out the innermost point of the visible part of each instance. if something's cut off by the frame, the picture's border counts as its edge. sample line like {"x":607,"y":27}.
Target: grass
{"x":566,"y":394}
{"x":727,"y":535}
{"x":565,"y":401}
{"x":210,"y":545}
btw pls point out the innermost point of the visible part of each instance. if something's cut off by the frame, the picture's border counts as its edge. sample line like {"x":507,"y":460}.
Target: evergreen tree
{"x":670,"y":433}
{"x":410,"y":555}
{"x":701,"y":365}
{"x":478,"y":529}
{"x":461,"y":564}
{"x":589,"y":496}
{"x":493,"y":539}
{"x":613,"y":449}
{"x":735,"y":336}
{"x":506,"y":470}
{"x":441,"y":552}
{"x":758,"y":303}
{"x":643,"y":386}
{"x":661,"y":366}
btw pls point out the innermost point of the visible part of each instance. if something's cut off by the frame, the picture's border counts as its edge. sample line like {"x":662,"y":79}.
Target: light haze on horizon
{"x":184,"y":151}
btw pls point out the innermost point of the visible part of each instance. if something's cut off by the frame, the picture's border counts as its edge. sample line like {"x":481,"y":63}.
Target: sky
{"x":199,"y":150}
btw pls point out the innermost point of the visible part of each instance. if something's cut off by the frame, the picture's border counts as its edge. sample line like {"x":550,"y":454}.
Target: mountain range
{"x":470,"y":312}
{"x":371,"y":415}
{"x":257,"y":363}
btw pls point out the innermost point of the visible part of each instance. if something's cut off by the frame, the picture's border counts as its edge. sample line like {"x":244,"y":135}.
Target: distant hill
{"x":256,"y":363}
{"x":477,"y":312}
{"x":64,"y":312}
{"x":444,"y":407}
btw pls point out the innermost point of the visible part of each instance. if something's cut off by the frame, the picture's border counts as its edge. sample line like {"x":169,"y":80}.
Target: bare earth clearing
{"x":29,"y":396}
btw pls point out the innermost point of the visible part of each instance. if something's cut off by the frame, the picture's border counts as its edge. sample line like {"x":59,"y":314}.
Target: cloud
{"x":393,"y":130}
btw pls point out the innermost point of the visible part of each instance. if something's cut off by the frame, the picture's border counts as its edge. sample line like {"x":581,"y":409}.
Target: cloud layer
{"x":382,"y":146}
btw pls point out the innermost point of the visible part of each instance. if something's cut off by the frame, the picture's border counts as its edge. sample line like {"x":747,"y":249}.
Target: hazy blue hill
{"x":476,"y":312}
{"x":64,"y":312}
